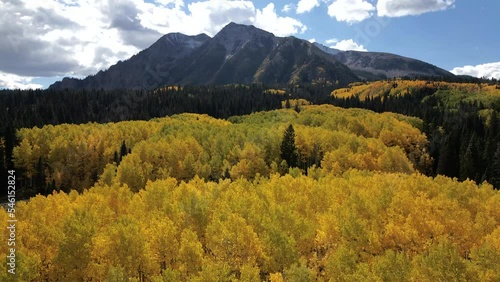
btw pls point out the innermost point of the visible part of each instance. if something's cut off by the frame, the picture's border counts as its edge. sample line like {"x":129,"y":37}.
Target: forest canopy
{"x":302,"y":193}
{"x":359,"y":225}
{"x":328,"y":139}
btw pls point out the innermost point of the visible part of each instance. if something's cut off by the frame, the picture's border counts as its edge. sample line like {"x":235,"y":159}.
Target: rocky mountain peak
{"x":234,"y":36}
{"x":179,"y":39}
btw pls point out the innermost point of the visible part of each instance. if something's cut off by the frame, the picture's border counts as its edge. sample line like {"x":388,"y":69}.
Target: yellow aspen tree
{"x":441,"y":262}
{"x":74,"y":252}
{"x":393,"y":266}
{"x":162,"y":235}
{"x":231,"y":240}
{"x":24,"y":157}
{"x":133,"y":172}
{"x":251,"y":163}
{"x":190,"y":254}
{"x":121,"y":244}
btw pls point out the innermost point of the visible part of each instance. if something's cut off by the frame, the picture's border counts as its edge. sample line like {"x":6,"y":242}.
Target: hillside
{"x":377,"y":65}
{"x":460,"y":120}
{"x":451,"y":94}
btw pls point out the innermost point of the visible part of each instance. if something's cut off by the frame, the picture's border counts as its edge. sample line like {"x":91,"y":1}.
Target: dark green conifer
{"x":288,"y":148}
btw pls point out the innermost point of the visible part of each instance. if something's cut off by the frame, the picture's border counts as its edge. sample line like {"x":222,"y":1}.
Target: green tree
{"x":495,"y":171}
{"x":123,"y":150}
{"x":288,"y":148}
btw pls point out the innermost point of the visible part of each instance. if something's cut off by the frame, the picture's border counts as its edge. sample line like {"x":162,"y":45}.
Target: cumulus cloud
{"x":22,"y":51}
{"x":350,"y":11}
{"x":288,"y":7}
{"x":331,"y":41}
{"x":400,"y":8}
{"x":267,"y":19}
{"x":490,"y":70}
{"x":76,"y":38}
{"x":353,"y":11}
{"x":11,"y":81}
{"x":347,"y":45}
{"x":305,"y":6}
{"x":178,"y":3}
{"x":124,"y":17}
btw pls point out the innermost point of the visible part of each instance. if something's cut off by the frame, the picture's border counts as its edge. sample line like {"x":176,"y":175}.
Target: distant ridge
{"x":377,"y":65}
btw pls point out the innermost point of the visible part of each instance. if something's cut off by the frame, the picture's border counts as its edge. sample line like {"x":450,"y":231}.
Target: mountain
{"x":295,"y":60}
{"x":147,"y":69}
{"x":245,"y":54}
{"x":375,"y":65}
{"x":232,"y":56}
{"x":328,"y":50}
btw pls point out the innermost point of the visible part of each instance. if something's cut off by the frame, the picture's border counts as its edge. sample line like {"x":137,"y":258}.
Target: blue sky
{"x":50,"y":39}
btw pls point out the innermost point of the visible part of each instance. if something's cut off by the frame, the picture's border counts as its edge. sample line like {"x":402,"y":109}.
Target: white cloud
{"x":11,"y":81}
{"x":267,"y":19}
{"x":350,"y":11}
{"x":305,"y":6}
{"x":177,"y":3}
{"x":400,"y":8}
{"x":76,"y":38}
{"x":211,"y":16}
{"x":332,"y":41}
{"x":491,"y":70}
{"x":312,"y":40}
{"x":348,"y":44}
{"x":288,"y":7}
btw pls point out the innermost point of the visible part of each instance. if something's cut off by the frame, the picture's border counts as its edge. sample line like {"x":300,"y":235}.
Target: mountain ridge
{"x":245,"y":54}
{"x":382,"y":65}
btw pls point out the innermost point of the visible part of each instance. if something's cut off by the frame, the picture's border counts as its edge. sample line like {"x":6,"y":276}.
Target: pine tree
{"x":491,"y":137}
{"x":116,"y":158}
{"x":288,"y":148}
{"x":296,"y":107}
{"x":469,"y":161}
{"x":3,"y":167}
{"x":10,"y":140}
{"x":123,"y":150}
{"x":495,"y":168}
{"x":39,"y":179}
{"x":448,"y":157}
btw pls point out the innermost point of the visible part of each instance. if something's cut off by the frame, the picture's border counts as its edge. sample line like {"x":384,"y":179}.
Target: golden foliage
{"x":202,"y":199}
{"x":458,"y":91}
{"x":359,"y":225}
{"x":189,"y":145}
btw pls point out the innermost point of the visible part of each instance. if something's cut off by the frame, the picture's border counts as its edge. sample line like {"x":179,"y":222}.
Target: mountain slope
{"x":232,"y":56}
{"x":375,"y":65}
{"x":298,"y":61}
{"x":328,"y":50}
{"x":245,"y":54}
{"x":149,"y":68}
